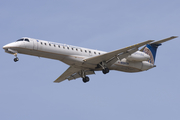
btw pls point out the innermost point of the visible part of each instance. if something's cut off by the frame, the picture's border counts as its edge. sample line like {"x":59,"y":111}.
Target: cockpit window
{"x":27,"y":40}
{"x":20,"y":40}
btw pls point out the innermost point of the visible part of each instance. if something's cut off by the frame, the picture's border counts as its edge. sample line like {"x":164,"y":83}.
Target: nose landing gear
{"x":16,"y":59}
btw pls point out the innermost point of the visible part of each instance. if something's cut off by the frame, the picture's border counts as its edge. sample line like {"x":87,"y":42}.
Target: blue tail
{"x":151,"y":50}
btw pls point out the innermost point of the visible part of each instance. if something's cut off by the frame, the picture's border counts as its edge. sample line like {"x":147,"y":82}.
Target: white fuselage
{"x":73,"y":55}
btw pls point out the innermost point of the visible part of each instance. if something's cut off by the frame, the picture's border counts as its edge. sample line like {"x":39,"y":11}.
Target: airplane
{"x":84,"y":61}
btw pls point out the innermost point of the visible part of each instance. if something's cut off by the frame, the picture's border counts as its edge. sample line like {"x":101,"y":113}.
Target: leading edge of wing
{"x":109,"y":55}
{"x":71,"y":70}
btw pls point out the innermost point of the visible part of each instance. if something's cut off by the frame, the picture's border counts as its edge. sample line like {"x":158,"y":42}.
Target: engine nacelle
{"x":138,"y":56}
{"x":146,"y":65}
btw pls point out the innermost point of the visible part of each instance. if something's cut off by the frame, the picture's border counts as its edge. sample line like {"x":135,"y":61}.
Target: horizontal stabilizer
{"x":160,"y":41}
{"x":164,"y":40}
{"x":151,"y":48}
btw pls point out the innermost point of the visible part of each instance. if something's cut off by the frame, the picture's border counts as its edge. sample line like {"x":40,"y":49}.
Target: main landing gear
{"x":85,"y":78}
{"x":16,"y":58}
{"x":105,"y":70}
{"x":104,"y":67}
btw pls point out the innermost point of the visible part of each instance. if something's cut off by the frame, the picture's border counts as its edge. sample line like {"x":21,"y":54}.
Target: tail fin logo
{"x":148,"y":51}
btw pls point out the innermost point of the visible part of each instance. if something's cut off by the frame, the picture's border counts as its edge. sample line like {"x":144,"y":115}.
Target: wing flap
{"x":78,"y":75}
{"x":72,"y":73}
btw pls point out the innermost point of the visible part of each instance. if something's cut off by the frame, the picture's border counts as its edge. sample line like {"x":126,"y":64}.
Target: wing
{"x":111,"y":57}
{"x":71,"y":70}
{"x":72,"y":73}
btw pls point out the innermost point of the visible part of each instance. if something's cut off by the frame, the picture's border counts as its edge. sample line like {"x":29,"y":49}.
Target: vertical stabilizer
{"x":151,"y":48}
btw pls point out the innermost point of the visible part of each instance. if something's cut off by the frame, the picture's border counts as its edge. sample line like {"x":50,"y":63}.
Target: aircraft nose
{"x":10,"y":45}
{"x":5,"y":47}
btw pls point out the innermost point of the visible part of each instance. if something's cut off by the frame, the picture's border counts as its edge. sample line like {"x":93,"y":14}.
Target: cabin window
{"x":89,"y":51}
{"x":27,"y":40}
{"x":76,"y":49}
{"x":45,"y":43}
{"x":68,"y":48}
{"x":94,"y":52}
{"x":54,"y":45}
{"x":20,"y":40}
{"x":81,"y":50}
{"x":59,"y":46}
{"x":99,"y":53}
{"x":72,"y":48}
{"x":85,"y":50}
{"x":41,"y":43}
{"x":49,"y":44}
{"x":63,"y":47}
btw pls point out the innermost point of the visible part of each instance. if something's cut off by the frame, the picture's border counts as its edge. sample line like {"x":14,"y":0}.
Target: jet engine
{"x":138,"y":56}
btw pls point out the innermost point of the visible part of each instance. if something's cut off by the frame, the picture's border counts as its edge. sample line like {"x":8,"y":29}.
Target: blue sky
{"x":27,"y":90}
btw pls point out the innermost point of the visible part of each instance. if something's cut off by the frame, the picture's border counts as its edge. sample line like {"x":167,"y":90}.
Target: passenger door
{"x":35,"y":44}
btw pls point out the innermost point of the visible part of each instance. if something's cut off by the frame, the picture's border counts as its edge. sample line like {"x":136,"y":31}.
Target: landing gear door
{"x":35,"y":44}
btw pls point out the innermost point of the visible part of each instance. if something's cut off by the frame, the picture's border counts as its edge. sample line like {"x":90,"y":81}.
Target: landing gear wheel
{"x":86,"y":79}
{"x":105,"y":70}
{"x":16,"y":59}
